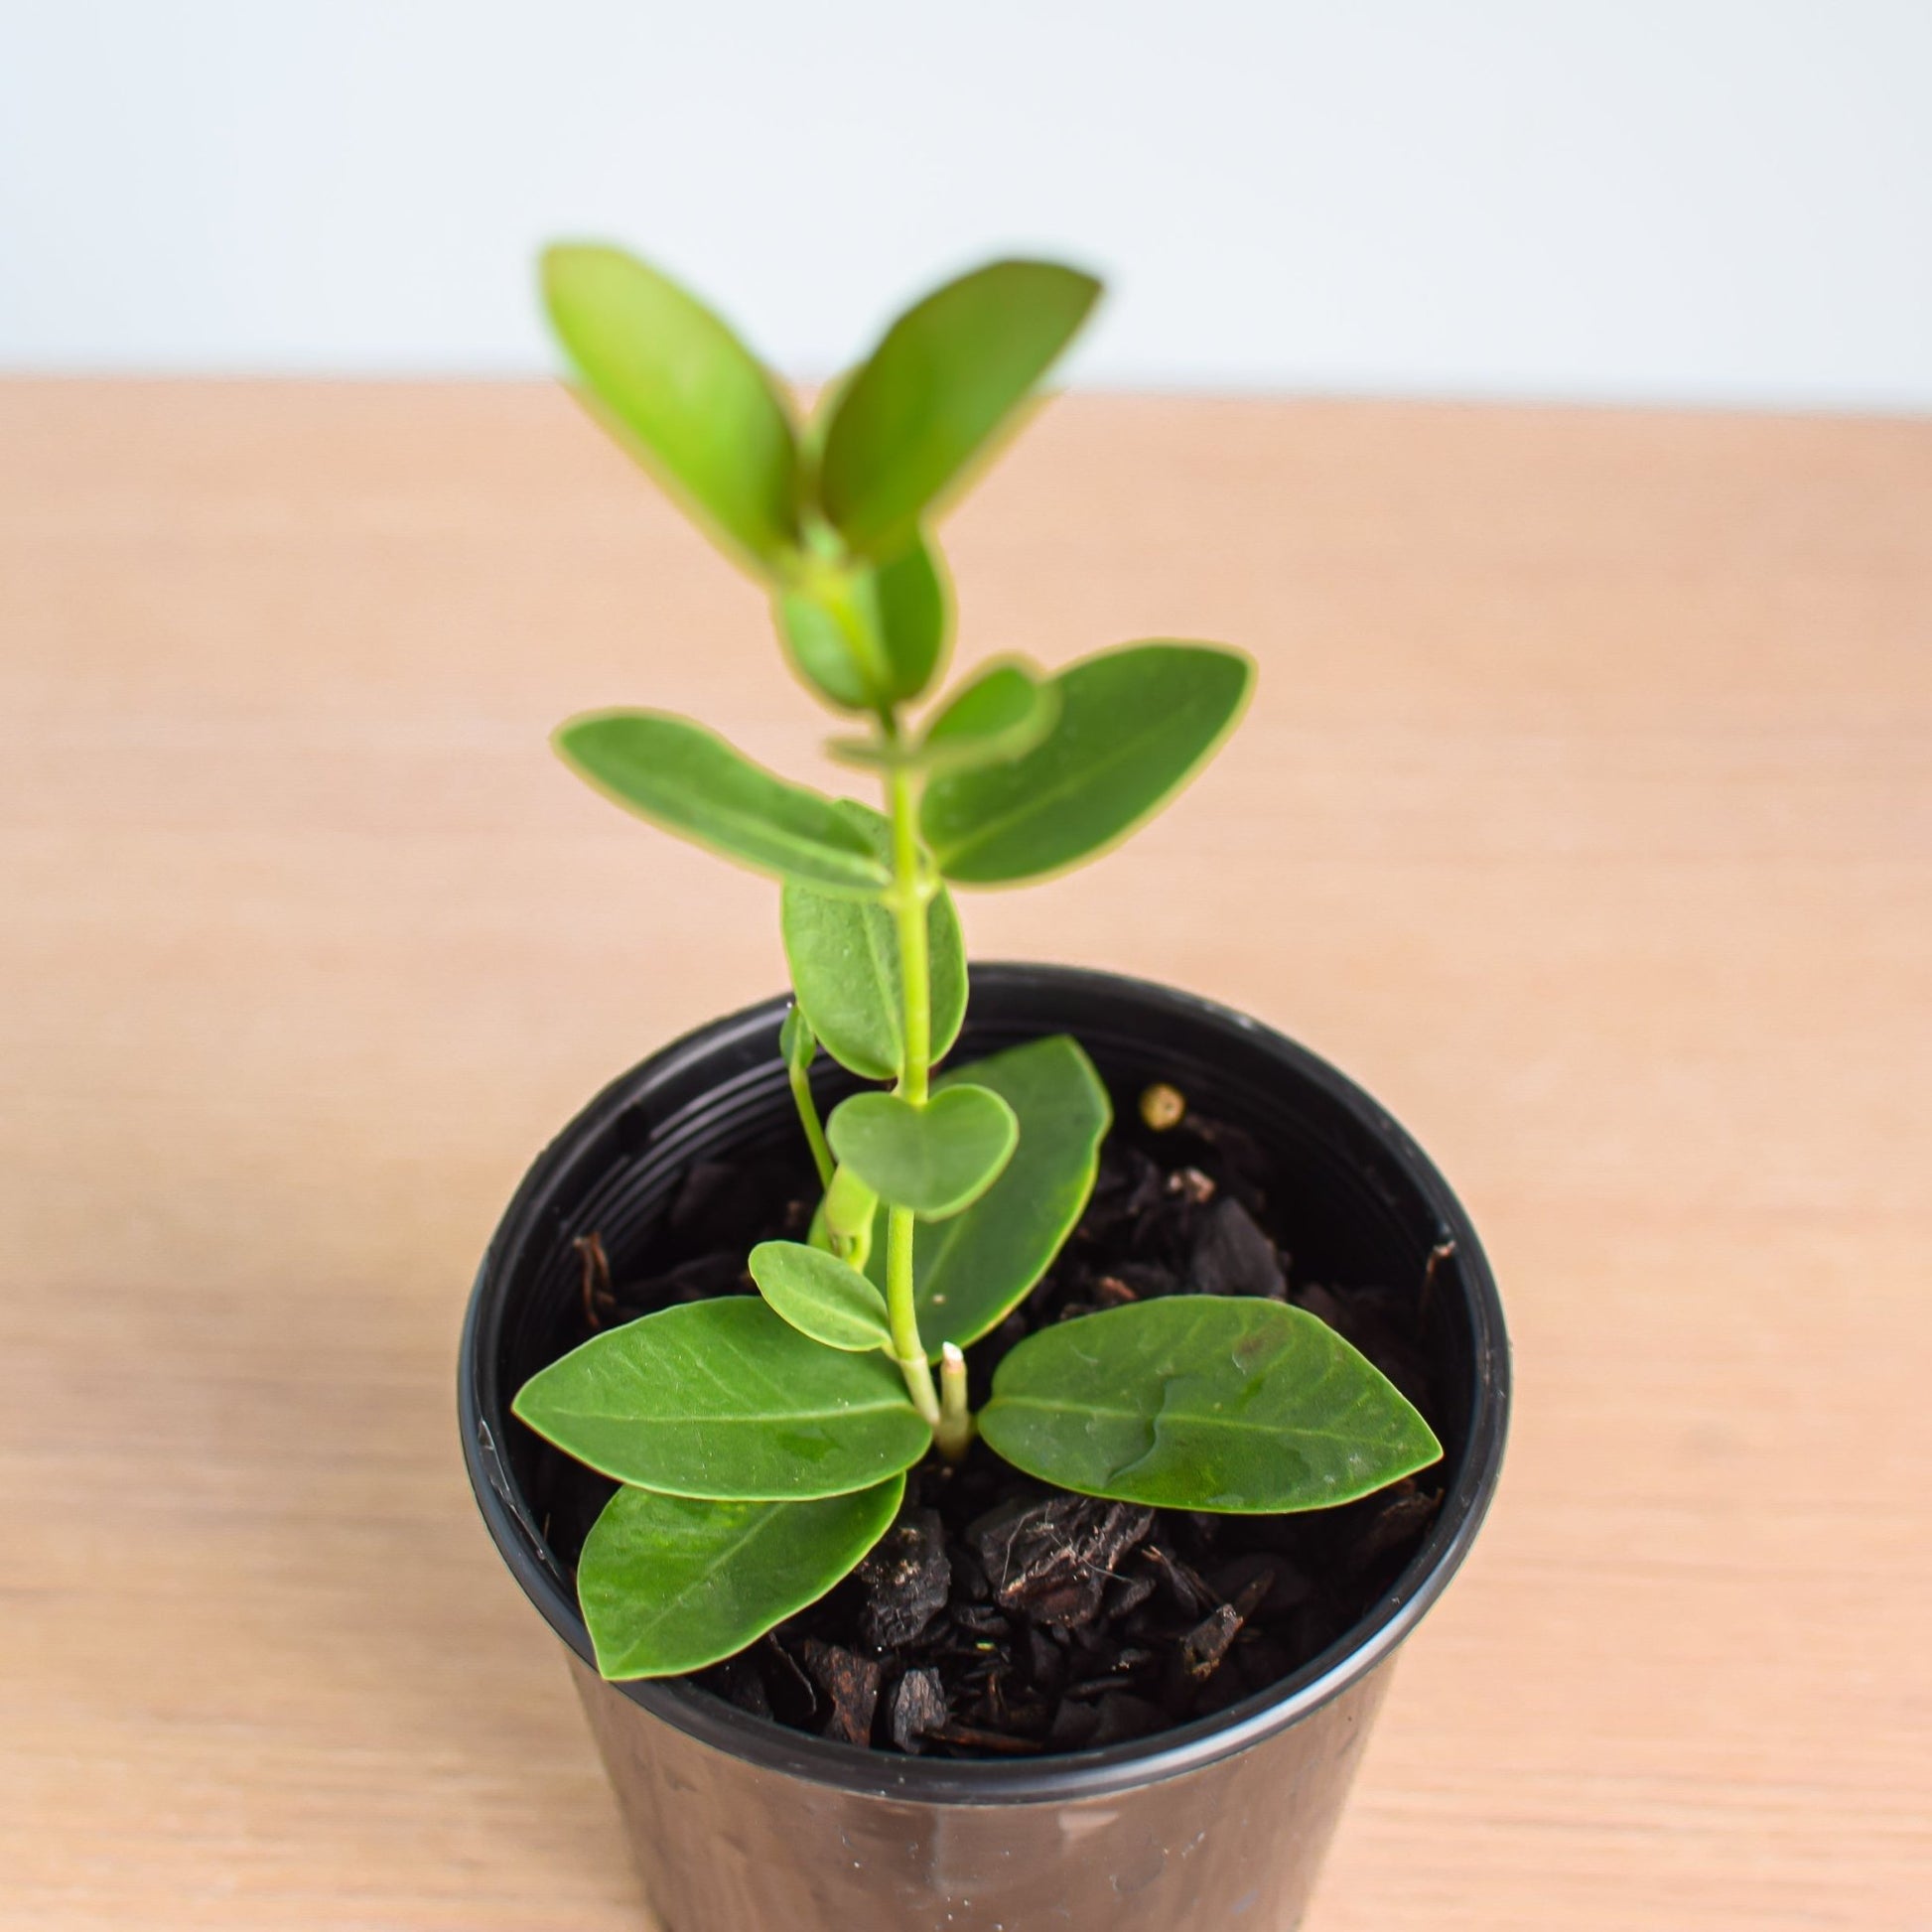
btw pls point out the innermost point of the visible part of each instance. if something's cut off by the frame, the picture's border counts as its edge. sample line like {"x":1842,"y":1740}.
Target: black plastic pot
{"x":741,"y":1825}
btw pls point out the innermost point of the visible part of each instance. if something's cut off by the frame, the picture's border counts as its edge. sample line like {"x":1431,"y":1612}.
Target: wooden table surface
{"x":1585,"y":814}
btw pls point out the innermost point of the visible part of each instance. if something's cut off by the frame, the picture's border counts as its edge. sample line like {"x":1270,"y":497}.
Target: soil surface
{"x":999,"y":1617}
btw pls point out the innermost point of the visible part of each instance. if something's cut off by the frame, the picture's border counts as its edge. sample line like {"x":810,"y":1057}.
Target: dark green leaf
{"x":821,"y":1295}
{"x":1208,"y":1402}
{"x":936,"y":1158}
{"x":723,"y":1400}
{"x":1003,"y":713}
{"x":684,"y":779}
{"x":683,"y":393}
{"x":844,"y":959}
{"x":937,"y":391}
{"x":669,"y":1585}
{"x":971,"y":1270}
{"x":1133,"y":726}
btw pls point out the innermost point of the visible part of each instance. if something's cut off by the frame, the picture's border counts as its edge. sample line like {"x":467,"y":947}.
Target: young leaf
{"x":678,"y":387}
{"x":1135,"y":725}
{"x":913,"y":601}
{"x":869,"y":635}
{"x":1211,"y":1402}
{"x":844,"y":959}
{"x":689,"y":781}
{"x":823,"y":652}
{"x":821,"y":1295}
{"x":936,"y":1159}
{"x":669,"y":1585}
{"x":971,"y":1272}
{"x":998,"y":715}
{"x":943,"y":383}
{"x":723,"y":1400}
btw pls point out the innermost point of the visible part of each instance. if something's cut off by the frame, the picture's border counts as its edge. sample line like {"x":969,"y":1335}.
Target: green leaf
{"x":796,"y":1046}
{"x":822,"y":651}
{"x":914,"y":602}
{"x":1209,"y":1402}
{"x":843,"y":954}
{"x":669,"y":1585}
{"x":1135,"y":725}
{"x":937,"y":392}
{"x":683,"y":393}
{"x":1001,"y":713}
{"x":867,"y":636}
{"x":971,"y":1272}
{"x":687,"y":780}
{"x":723,"y":1400}
{"x":821,"y":1295}
{"x":936,"y":1159}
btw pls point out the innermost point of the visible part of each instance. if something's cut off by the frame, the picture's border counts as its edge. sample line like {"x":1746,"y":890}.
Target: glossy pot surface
{"x":739,"y":1822}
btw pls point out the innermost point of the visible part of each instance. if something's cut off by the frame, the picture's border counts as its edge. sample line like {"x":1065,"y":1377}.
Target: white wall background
{"x":1713,"y":200}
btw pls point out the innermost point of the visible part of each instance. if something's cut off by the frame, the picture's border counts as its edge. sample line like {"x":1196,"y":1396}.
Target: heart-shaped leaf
{"x":1211,"y":1402}
{"x":845,"y":969}
{"x":971,"y":1272}
{"x":688,"y":781}
{"x":723,"y":1400}
{"x":938,"y":389}
{"x":669,"y":1585}
{"x":1133,"y":726}
{"x":679,"y":389}
{"x":936,"y":1158}
{"x":821,"y":1295}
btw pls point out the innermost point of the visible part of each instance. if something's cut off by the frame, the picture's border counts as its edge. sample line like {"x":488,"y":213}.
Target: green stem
{"x":801,"y":1093}
{"x":907,"y":1349}
{"x":909,"y":906}
{"x":954,"y":1434}
{"x":915,"y":996}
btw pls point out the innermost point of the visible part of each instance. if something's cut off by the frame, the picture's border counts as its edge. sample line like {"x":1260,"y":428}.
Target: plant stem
{"x":907,"y":1349}
{"x":914,"y":970}
{"x":915,"y":998}
{"x":801,"y":1093}
{"x":954,"y":1434}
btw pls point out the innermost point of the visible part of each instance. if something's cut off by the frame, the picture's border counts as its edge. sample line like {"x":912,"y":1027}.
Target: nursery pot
{"x":741,"y":1825}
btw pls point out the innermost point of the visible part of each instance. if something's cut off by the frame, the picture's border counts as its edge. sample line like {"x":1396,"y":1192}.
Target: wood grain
{"x":1585,"y":814}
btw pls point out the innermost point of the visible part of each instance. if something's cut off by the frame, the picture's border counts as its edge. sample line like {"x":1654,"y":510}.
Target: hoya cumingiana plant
{"x":761,"y":1443}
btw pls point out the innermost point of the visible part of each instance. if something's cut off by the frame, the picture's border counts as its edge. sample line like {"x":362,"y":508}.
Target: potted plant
{"x":978,"y":1455}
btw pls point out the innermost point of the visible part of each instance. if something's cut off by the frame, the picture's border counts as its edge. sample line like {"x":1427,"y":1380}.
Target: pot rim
{"x":1073,"y":1774}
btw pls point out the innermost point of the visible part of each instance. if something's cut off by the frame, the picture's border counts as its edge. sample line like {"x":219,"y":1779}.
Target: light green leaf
{"x":971,"y":1272}
{"x":937,"y":392}
{"x":843,"y":954}
{"x":723,"y":1400}
{"x":1209,"y":1402}
{"x":865,"y":637}
{"x":821,"y":1295}
{"x":1133,"y":726}
{"x":678,"y":388}
{"x":687,"y":780}
{"x":914,"y":602}
{"x":822,"y":650}
{"x":936,"y":1158}
{"x":669,"y":1585}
